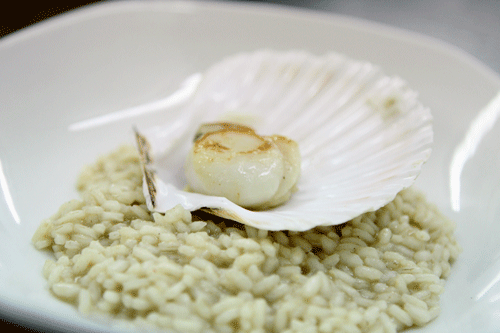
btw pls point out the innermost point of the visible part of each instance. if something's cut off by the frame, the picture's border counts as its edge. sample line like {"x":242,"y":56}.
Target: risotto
{"x":380,"y":272}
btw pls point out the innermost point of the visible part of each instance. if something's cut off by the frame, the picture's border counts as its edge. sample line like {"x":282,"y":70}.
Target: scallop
{"x":233,"y":161}
{"x":359,"y":137}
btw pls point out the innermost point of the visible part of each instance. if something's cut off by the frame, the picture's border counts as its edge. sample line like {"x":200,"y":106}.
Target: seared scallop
{"x":232,"y":161}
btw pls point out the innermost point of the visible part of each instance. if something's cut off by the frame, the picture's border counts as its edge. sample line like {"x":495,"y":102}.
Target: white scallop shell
{"x":363,"y":136}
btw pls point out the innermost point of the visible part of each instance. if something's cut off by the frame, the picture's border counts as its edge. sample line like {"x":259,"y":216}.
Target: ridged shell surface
{"x":363,"y":136}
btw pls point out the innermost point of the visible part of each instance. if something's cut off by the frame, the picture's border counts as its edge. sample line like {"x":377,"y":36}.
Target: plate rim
{"x":94,"y":10}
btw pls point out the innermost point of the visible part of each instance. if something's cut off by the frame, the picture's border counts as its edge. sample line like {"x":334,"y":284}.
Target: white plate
{"x":93,"y":62}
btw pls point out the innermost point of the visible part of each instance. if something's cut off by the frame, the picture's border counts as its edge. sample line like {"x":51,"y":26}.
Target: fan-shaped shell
{"x":363,"y":136}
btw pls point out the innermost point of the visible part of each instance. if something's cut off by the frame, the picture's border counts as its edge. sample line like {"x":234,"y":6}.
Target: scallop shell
{"x":363,"y":135}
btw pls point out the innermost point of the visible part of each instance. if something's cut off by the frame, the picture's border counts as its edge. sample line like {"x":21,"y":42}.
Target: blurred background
{"x":471,"y":25}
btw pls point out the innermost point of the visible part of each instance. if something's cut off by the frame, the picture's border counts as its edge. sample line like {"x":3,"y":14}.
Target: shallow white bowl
{"x":67,"y":87}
